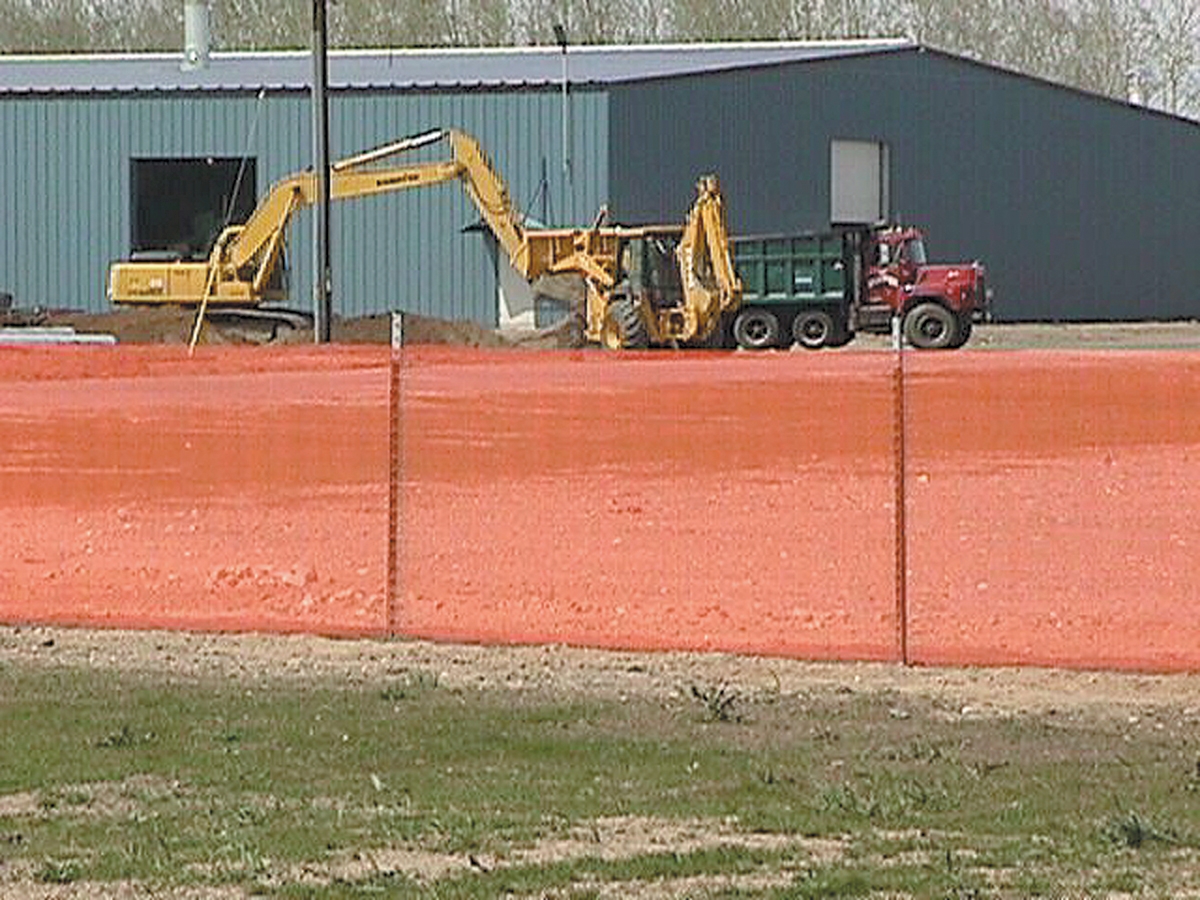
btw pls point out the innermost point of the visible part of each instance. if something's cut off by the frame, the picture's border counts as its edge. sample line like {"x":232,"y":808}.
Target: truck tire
{"x":842,"y":335}
{"x":623,"y":326}
{"x":756,"y":329}
{"x":814,"y":329}
{"x":964,"y":332}
{"x":930,"y":326}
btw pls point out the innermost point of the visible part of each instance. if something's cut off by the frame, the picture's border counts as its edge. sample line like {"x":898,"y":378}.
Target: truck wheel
{"x":930,"y":326}
{"x":963,"y":334}
{"x":842,"y":335}
{"x":813,"y":329}
{"x":623,"y":327}
{"x":756,"y":329}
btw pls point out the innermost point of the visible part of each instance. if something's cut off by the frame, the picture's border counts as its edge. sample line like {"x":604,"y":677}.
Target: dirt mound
{"x":167,"y":325}
{"x":173,"y":325}
{"x":417,"y":330}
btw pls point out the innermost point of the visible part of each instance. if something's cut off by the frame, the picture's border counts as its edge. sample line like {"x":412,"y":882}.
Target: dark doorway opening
{"x":180,"y":205}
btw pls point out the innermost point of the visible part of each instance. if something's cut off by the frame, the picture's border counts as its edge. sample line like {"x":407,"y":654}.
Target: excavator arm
{"x":710,"y":283}
{"x":252,"y":250}
{"x":245,"y":257}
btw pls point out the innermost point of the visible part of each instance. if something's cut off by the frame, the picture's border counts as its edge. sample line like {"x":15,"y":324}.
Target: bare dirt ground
{"x":1181,"y":335}
{"x":558,"y":671}
{"x":562,"y":669}
{"x":175,"y":326}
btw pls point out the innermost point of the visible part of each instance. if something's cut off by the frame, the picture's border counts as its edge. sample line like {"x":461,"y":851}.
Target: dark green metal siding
{"x":1078,"y":205}
{"x":66,"y":205}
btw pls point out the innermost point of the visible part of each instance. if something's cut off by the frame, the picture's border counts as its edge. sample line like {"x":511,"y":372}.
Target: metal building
{"x":1078,"y":204}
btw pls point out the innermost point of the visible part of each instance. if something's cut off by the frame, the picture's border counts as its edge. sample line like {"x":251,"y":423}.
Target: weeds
{"x":54,"y":799}
{"x":886,"y":797}
{"x":124,"y":738}
{"x":1131,"y":830}
{"x":718,"y":702}
{"x":59,"y":871}
{"x":414,"y":684}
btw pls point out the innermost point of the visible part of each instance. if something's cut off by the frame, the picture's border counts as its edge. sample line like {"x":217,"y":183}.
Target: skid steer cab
{"x":663,"y":285}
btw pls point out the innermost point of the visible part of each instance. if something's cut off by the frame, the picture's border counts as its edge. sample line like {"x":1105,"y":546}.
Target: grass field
{"x":400,"y":780}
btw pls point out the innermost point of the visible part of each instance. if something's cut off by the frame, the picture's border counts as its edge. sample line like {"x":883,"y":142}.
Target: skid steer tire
{"x":623,"y":327}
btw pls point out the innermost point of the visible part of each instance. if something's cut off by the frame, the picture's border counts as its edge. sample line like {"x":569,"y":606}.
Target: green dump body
{"x":792,"y":270}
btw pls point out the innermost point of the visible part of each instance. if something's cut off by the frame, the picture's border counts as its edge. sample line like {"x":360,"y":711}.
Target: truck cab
{"x":938,"y":303}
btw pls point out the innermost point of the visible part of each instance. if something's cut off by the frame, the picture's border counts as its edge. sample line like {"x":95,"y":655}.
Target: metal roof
{"x":428,"y":69}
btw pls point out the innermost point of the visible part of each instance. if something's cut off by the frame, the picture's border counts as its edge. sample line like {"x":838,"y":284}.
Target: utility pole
{"x":322,"y":258}
{"x":560,"y":35}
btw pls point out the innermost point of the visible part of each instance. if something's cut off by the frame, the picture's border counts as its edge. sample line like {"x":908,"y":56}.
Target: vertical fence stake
{"x":394,"y":475}
{"x":901,"y":500}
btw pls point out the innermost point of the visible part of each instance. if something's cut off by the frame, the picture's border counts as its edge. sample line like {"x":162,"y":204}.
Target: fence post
{"x":901,"y":499}
{"x":395,"y":451}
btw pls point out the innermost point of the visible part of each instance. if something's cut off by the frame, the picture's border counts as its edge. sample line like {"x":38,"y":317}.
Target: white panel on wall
{"x":858,"y":182}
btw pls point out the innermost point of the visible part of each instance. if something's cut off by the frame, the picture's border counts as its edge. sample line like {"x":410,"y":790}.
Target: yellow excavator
{"x":641,"y":286}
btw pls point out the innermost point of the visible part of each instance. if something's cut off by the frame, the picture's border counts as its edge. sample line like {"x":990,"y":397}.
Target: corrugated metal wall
{"x":1079,"y":206}
{"x":66,"y":205}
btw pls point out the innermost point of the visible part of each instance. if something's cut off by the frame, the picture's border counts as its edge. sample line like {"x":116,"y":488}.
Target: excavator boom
{"x":244,"y":259}
{"x":242,"y":266}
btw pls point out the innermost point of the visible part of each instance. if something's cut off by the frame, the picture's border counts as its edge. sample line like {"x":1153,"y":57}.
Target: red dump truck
{"x":820,"y":289}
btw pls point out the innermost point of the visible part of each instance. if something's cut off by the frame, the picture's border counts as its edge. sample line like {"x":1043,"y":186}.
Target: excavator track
{"x":257,"y":324}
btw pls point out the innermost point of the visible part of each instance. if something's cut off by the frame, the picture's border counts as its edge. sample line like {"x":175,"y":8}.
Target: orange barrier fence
{"x":698,"y":500}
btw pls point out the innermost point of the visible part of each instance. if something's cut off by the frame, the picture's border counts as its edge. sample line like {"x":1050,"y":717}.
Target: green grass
{"x":253,"y":785}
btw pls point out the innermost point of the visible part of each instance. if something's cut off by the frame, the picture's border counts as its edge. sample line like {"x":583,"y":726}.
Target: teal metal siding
{"x":412,"y":248}
{"x":66,"y":204}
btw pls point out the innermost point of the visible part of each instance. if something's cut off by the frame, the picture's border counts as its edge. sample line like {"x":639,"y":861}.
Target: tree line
{"x":1142,"y":49}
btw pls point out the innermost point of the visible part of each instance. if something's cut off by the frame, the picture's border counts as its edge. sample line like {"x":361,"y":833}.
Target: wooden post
{"x":901,"y":499}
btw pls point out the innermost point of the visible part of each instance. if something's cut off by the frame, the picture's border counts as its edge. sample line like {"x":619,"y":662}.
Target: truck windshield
{"x":914,"y":251}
